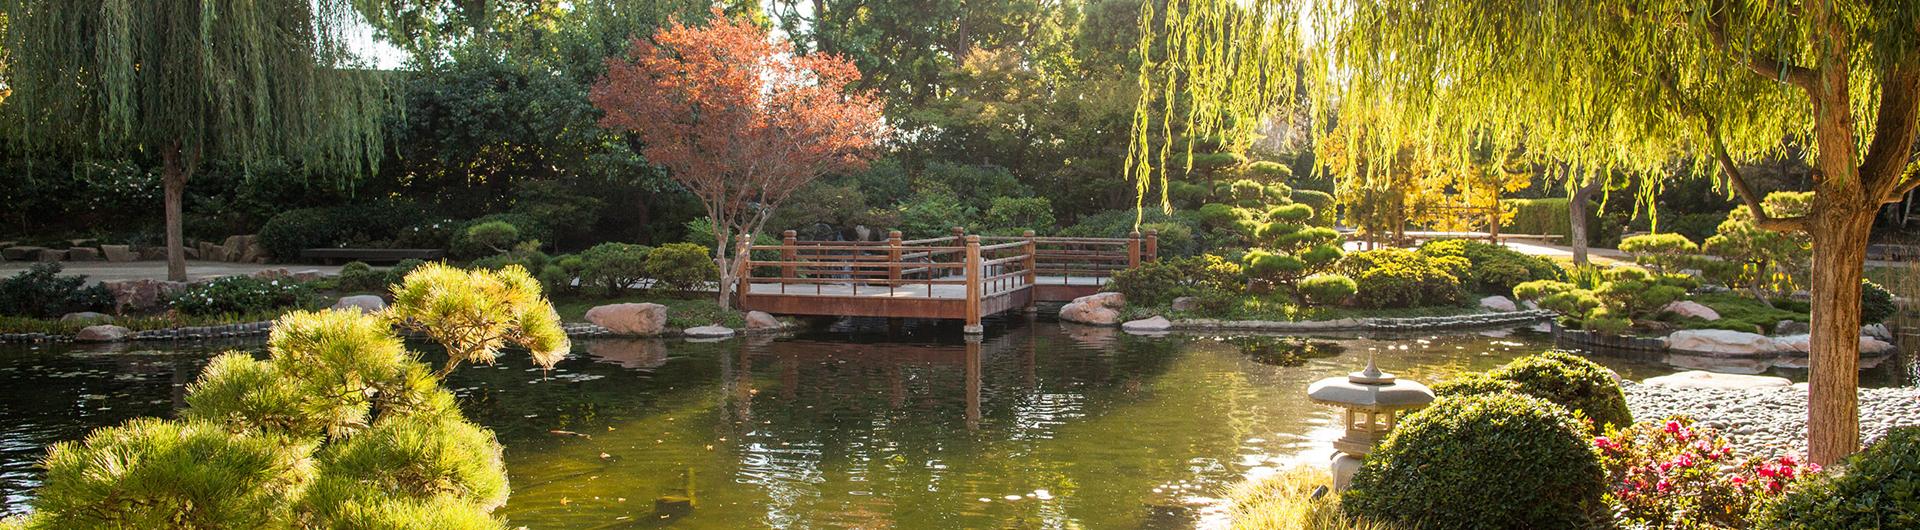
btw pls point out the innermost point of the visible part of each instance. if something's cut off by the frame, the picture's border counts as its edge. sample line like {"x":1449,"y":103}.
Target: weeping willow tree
{"x":1629,"y":85}
{"x":188,"y":81}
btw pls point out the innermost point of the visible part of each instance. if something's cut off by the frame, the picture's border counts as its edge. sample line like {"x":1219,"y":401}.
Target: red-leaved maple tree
{"x":738,"y":119}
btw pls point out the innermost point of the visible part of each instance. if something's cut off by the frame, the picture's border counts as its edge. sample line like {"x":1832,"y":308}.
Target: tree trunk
{"x":1840,"y":234}
{"x":1578,"y":219}
{"x":174,"y":175}
{"x":726,"y":268}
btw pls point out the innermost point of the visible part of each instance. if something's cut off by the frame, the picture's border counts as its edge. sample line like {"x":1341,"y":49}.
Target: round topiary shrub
{"x":1486,"y":461}
{"x":681,"y":266}
{"x":1327,"y":288}
{"x":1570,"y":381}
{"x":1151,"y":284}
{"x":1474,"y":384}
{"x":1876,"y":488}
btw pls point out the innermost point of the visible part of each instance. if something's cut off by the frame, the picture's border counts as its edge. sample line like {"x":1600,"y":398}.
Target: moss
{"x":1741,"y":313}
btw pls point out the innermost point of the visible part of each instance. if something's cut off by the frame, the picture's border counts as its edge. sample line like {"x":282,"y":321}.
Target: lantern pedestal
{"x":1373,"y":401}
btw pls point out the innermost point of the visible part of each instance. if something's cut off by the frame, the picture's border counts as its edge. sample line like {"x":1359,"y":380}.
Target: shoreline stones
{"x":1498,"y":303}
{"x":366,"y":303}
{"x":761,"y":320}
{"x":710,"y":332}
{"x":1468,"y":321}
{"x":1150,"y":326}
{"x":1723,"y":343}
{"x":630,"y":319}
{"x":102,"y":333}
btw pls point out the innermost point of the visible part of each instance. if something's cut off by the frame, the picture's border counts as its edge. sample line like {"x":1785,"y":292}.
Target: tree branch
{"x":1770,"y":68}
{"x":1895,"y":124}
{"x":1755,"y":204}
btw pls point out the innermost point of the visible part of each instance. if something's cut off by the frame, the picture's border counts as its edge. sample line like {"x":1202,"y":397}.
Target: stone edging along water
{"x":1469,"y":321}
{"x":254,"y":329}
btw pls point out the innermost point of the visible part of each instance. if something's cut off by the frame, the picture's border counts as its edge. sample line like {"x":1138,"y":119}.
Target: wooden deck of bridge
{"x":962,"y":276}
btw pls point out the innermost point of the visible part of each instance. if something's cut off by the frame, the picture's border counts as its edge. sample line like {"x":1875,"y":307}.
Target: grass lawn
{"x":682,"y":313}
{"x":1740,"y":312}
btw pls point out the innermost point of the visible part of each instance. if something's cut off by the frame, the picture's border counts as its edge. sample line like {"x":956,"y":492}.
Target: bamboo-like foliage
{"x":226,"y":79}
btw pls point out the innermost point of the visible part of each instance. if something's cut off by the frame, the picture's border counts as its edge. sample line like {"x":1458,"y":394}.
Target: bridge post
{"x":893,"y":256}
{"x":1133,"y":249}
{"x":1032,"y":263}
{"x":789,"y":254}
{"x":973,"y":272}
{"x":1153,"y":245}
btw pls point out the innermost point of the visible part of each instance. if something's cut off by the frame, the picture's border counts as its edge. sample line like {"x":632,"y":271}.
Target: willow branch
{"x":1770,"y":68}
{"x":1738,"y":182}
{"x":1912,"y":177}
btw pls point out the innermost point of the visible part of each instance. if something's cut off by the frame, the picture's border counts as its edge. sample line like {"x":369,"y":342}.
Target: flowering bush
{"x":244,"y":294}
{"x":1673,"y":474}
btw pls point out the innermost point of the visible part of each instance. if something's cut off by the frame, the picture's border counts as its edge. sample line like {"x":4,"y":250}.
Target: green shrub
{"x":1013,"y":215}
{"x":1392,"y":277}
{"x":1878,"y":487}
{"x":1663,"y":253}
{"x":1328,"y":289}
{"x":1876,"y":303}
{"x":1175,"y":239}
{"x":526,"y":255}
{"x":1482,"y":461}
{"x":1474,"y":384}
{"x":934,"y":213}
{"x":1322,"y":204}
{"x":40,"y":291}
{"x":1570,"y":381}
{"x":359,"y":277}
{"x":1493,"y":268}
{"x":614,"y":266}
{"x":1209,"y":272}
{"x":464,"y":247}
{"x":497,"y":235}
{"x":244,"y":294}
{"x":377,"y":224}
{"x":1150,"y":284}
{"x":152,"y":473}
{"x":1539,"y":216}
{"x":680,"y":267}
{"x":1219,"y":216}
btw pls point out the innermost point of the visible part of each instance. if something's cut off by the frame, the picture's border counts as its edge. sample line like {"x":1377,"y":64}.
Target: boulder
{"x":83,"y":254}
{"x":1803,"y":344}
{"x":86,"y":316}
{"x":1878,"y":331}
{"x":1689,"y":308}
{"x":630,"y":319}
{"x":1101,"y":309}
{"x":308,"y":275}
{"x":192,"y":253}
{"x":102,"y":333}
{"x":271,"y":274}
{"x":1498,"y":303}
{"x":153,"y":253}
{"x":1699,"y":379}
{"x":1874,"y":346}
{"x":1722,"y":343}
{"x":21,"y":253}
{"x":141,"y":294}
{"x":709,"y":332}
{"x":1185,"y":303}
{"x":761,"y":320}
{"x":52,"y":255}
{"x":119,"y":253}
{"x":1791,"y":327}
{"x":1156,"y":324}
{"x":366,"y":303}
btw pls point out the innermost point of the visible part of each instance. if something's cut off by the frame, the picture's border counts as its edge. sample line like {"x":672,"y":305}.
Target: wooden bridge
{"x":962,"y":276}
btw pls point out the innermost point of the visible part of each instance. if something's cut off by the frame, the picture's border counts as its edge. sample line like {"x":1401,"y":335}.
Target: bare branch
{"x":1755,"y":204}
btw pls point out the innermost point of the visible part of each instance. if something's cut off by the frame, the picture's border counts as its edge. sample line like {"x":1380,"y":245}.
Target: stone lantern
{"x":1373,"y":401}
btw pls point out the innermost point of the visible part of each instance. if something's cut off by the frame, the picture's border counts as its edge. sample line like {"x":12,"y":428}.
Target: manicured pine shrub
{"x":1150,"y":284}
{"x":1879,"y":487}
{"x":1474,"y":384}
{"x":1393,"y":277}
{"x":1876,"y":303}
{"x":40,"y":291}
{"x":1570,"y":381}
{"x":1479,"y":462}
{"x":614,"y":266}
{"x":1492,"y":268}
{"x":680,"y":267}
{"x":1328,"y":289}
{"x":1663,"y":253}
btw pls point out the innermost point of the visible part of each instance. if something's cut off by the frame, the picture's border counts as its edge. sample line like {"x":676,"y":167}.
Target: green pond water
{"x":1036,"y":425}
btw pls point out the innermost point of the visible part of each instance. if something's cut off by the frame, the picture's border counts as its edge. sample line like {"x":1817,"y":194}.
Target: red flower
{"x":1663,"y":486}
{"x":1787,"y":460}
{"x":1774,"y":486}
{"x":1673,"y":427}
{"x":1738,"y":481}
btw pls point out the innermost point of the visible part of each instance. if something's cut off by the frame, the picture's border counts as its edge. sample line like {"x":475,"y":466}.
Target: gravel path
{"x":1769,"y":421}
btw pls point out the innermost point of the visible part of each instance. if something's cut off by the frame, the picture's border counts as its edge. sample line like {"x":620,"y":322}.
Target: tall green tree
{"x":189,"y":81}
{"x":1627,"y":84}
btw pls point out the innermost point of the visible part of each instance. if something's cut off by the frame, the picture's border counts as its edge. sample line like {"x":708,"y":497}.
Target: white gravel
{"x":1769,"y":421}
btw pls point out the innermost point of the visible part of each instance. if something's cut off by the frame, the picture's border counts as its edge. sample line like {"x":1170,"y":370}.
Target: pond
{"x":1038,"y":424}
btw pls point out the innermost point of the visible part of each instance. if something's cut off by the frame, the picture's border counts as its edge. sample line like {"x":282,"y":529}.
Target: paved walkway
{"x":98,"y":271}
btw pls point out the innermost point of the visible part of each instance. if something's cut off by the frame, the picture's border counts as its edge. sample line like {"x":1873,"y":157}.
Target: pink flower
{"x":1774,"y":486}
{"x":1738,"y":481}
{"x":1767,"y":471}
{"x":1811,"y":467}
{"x":1787,"y":460}
{"x":1685,"y":460}
{"x":1663,"y":486}
{"x":1672,"y":427}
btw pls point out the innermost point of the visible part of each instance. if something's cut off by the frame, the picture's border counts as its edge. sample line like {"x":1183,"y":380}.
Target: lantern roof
{"x":1370,"y":389}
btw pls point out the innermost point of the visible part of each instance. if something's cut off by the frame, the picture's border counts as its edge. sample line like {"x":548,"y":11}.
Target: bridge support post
{"x":973,"y":274}
{"x":1133,"y":249}
{"x":789,"y":253}
{"x":893,"y":258}
{"x":1033,"y":271}
{"x":1153,"y":245}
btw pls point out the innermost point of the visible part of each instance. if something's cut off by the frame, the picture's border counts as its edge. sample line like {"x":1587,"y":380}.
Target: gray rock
{"x":141,"y":294}
{"x":709,"y":332}
{"x":1101,"y":309}
{"x":86,"y":316}
{"x":1498,"y":303}
{"x":1689,"y":308}
{"x":1720,"y":342}
{"x":761,"y":320}
{"x":52,"y":255}
{"x":1698,"y":379}
{"x":1156,"y":324}
{"x":1185,"y":303}
{"x":630,"y":319}
{"x":83,"y":254}
{"x":366,"y":303}
{"x":102,"y":333}
{"x":118,"y":253}
{"x":21,"y":253}
{"x":1791,"y":327}
{"x":1878,"y":331}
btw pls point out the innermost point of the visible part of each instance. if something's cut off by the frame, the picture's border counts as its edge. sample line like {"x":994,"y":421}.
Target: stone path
{"x":1769,"y":421}
{"x":98,"y":271}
